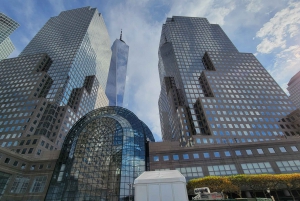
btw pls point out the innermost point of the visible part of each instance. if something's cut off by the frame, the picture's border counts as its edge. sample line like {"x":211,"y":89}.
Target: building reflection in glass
{"x":103,"y":152}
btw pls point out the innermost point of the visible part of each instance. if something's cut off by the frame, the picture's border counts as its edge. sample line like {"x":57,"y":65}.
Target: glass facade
{"x":209,"y":88}
{"x":103,"y":153}
{"x":4,"y":179}
{"x":78,"y":43}
{"x":116,"y":80}
{"x":6,"y":48}
{"x":7,"y":26}
{"x":62,"y":77}
{"x":294,"y":89}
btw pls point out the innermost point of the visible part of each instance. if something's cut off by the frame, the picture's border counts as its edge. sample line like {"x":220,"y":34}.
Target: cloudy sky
{"x":268,"y":29}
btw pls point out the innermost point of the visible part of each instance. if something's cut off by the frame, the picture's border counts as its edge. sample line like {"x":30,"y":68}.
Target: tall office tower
{"x":106,"y":151}
{"x":7,"y":26}
{"x":59,"y":77}
{"x":294,"y":89}
{"x":212,"y":93}
{"x":116,"y":80}
{"x":223,"y":105}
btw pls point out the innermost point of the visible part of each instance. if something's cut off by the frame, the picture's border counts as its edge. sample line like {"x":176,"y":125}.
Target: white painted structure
{"x":160,"y":186}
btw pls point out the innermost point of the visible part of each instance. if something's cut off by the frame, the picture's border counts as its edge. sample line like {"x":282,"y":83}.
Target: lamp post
{"x":130,"y":187}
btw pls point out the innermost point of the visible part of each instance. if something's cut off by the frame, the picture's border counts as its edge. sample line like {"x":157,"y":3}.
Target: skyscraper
{"x":116,"y":80}
{"x":7,"y":26}
{"x":59,"y":76}
{"x":294,"y":89}
{"x":210,"y":89}
{"x":221,"y":112}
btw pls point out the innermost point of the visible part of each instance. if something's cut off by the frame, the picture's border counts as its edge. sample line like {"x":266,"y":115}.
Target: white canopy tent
{"x":160,"y":186}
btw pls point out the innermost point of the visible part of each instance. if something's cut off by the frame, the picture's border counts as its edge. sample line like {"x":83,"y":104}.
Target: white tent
{"x":160,"y":186}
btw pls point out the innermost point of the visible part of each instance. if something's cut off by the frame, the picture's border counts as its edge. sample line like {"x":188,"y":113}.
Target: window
{"x":20,"y":185}
{"x":166,"y":158}
{"x":15,"y":163}
{"x":38,"y":184}
{"x":24,"y":151}
{"x":282,"y":149}
{"x":206,"y":155}
{"x":294,"y":148}
{"x":30,"y":150}
{"x":289,"y":166}
{"x":227,"y":153}
{"x":185,"y":156}
{"x":217,"y":154}
{"x":23,"y":166}
{"x":41,"y":166}
{"x":257,"y":168}
{"x":175,"y":157}
{"x":38,"y":152}
{"x":3,"y":182}
{"x":249,"y":152}
{"x":32,"y":167}
{"x":271,"y":150}
{"x":34,"y":141}
{"x":7,"y":160}
{"x":260,"y":151}
{"x":191,"y":172}
{"x":222,"y":170}
{"x":196,"y":155}
{"x":155,"y":158}
{"x":238,"y":153}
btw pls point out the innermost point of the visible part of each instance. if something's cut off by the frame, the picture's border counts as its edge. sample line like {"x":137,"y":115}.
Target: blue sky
{"x":268,"y":29}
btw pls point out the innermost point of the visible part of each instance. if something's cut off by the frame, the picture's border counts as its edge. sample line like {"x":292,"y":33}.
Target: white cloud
{"x":287,"y":64}
{"x":279,"y":29}
{"x":214,"y":11}
{"x":280,"y":37}
{"x":254,"y":6}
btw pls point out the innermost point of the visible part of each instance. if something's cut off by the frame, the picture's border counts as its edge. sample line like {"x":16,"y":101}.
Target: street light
{"x":130,"y":186}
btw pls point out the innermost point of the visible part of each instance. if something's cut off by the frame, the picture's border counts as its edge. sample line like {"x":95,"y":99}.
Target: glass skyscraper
{"x":116,"y":81}
{"x":7,"y":26}
{"x":294,"y":89}
{"x":60,"y":76}
{"x":103,"y":153}
{"x":221,"y":112}
{"x":212,"y":93}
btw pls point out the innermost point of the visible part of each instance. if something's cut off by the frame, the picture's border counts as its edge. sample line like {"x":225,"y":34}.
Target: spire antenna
{"x":121,"y":35}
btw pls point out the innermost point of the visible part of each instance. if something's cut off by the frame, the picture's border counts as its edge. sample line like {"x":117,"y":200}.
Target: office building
{"x":103,"y":154}
{"x":63,"y":76}
{"x":294,"y":89}
{"x":221,"y":112}
{"x":7,"y":26}
{"x":116,"y":80}
{"x":210,"y":92}
{"x":60,"y":76}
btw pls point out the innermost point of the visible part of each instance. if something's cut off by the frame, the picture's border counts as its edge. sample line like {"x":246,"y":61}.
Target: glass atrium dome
{"x":101,"y":156}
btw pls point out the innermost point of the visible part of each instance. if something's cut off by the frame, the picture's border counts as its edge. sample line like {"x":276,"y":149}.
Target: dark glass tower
{"x":7,"y":26}
{"x":116,"y":80}
{"x":60,"y":76}
{"x":212,"y":93}
{"x":294,"y":89}
{"x":103,"y":153}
